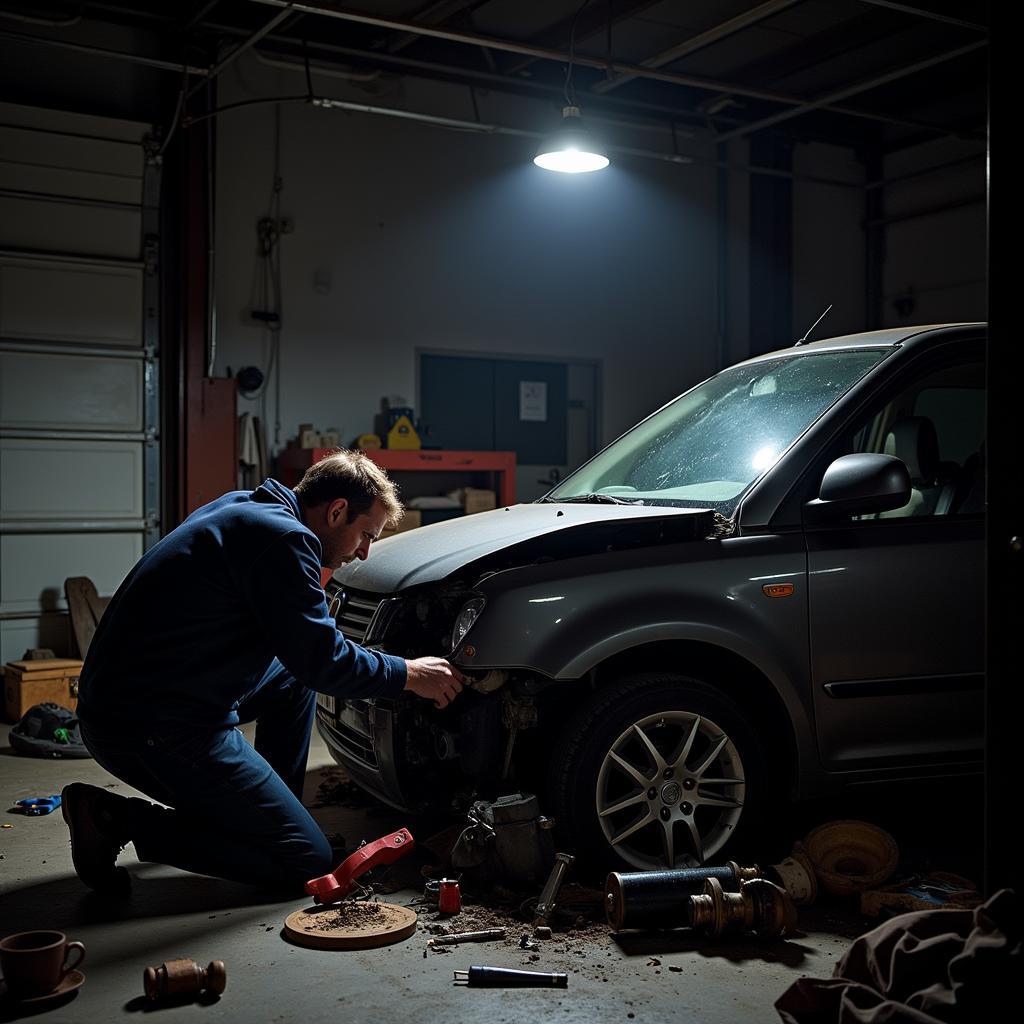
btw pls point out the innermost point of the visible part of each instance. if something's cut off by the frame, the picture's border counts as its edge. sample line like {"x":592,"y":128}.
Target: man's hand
{"x":435,"y":679}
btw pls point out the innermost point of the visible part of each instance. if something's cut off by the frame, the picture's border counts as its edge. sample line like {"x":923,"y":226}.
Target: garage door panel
{"x":47,"y":300}
{"x":36,"y":565}
{"x":64,"y":227}
{"x":54,"y":480}
{"x":68,"y":165}
{"x":69,"y":392}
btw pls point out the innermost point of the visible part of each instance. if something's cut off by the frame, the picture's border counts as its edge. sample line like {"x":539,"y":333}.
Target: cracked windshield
{"x":708,"y":446}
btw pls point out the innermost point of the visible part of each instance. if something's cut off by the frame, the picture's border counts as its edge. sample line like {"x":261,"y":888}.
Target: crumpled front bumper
{"x":361,"y":736}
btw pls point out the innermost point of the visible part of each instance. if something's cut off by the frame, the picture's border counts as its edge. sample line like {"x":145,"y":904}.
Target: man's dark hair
{"x":354,"y":477}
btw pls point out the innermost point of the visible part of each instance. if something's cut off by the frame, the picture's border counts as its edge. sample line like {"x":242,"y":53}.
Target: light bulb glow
{"x":571,"y":161}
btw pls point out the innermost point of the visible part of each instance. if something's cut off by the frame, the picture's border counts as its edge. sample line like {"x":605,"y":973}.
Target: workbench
{"x":499,"y":466}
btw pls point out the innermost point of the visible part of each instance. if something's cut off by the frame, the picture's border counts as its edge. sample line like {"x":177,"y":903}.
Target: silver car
{"x":769,"y":589}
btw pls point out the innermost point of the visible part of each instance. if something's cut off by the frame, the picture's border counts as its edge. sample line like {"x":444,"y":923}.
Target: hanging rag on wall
{"x":249,"y":470}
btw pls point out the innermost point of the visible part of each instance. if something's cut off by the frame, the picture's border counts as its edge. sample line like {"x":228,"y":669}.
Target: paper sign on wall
{"x":533,"y":400}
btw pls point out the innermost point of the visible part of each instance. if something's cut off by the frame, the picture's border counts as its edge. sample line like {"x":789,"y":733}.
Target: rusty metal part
{"x":661,"y":899}
{"x":493,"y":680}
{"x":487,"y":935}
{"x":796,"y":875}
{"x":546,"y":904}
{"x":760,"y":906}
{"x":184,"y":978}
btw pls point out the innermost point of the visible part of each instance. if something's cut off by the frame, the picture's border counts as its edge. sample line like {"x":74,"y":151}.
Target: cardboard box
{"x":479,"y":500}
{"x":36,"y":682}
{"x":410,"y":521}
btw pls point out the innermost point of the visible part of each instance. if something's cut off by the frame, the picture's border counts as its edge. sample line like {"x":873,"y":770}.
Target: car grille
{"x":355,"y":617}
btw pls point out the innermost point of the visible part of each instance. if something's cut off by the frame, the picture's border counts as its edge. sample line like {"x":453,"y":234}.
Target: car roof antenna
{"x":803,"y":340}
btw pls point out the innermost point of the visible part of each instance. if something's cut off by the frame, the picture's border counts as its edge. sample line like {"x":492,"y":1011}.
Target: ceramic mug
{"x":35,"y":963}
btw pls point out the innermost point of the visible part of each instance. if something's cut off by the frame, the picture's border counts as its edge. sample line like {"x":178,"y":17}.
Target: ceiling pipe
{"x":99,"y":51}
{"x":509,"y":46}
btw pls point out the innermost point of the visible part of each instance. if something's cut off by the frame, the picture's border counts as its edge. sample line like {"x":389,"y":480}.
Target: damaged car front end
{"x":707,"y":620}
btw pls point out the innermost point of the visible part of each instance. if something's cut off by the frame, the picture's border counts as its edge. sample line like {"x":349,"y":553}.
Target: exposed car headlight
{"x":464,"y":622}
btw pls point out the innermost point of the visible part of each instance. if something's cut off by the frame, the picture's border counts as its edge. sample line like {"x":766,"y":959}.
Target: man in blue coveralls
{"x":224,"y":621}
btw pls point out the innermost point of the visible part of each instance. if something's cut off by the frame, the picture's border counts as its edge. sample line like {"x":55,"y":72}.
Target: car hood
{"x":549,"y":530}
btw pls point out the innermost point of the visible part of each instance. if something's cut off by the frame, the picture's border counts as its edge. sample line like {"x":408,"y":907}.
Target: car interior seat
{"x":914,"y":441}
{"x":970,"y":490}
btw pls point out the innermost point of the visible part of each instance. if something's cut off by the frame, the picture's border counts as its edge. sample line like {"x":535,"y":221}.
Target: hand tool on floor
{"x":546,"y":904}
{"x":180,"y":978}
{"x":338,"y":884}
{"x":487,"y":935}
{"x":510,"y":977}
{"x":36,"y":805}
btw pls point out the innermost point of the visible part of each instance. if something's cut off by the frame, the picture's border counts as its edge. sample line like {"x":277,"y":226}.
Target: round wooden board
{"x":350,"y":925}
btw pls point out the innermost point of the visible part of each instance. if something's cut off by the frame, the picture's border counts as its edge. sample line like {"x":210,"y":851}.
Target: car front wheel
{"x":657,"y":771}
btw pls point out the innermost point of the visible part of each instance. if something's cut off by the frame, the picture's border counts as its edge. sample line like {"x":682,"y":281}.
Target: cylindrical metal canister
{"x":450,"y":898}
{"x":660,"y":899}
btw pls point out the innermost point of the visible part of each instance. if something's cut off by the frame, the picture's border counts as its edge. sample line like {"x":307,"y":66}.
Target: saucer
{"x":70,"y":981}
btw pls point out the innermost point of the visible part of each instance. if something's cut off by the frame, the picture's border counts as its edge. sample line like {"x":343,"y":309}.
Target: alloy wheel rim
{"x":670,"y":791}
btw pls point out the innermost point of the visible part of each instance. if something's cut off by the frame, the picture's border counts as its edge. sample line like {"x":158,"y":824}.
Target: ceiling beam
{"x":330,"y":10}
{"x":930,"y":15}
{"x":698,"y":42}
{"x":826,"y":102}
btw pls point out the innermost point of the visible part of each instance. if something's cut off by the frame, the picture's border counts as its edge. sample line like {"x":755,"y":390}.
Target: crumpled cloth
{"x":928,"y":967}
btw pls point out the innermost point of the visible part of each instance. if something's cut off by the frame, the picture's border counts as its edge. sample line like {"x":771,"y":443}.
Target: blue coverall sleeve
{"x":284,"y":588}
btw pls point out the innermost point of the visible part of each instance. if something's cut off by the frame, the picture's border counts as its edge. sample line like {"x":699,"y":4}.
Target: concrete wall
{"x":412,"y":236}
{"x":828,"y":242}
{"x":935,"y":259}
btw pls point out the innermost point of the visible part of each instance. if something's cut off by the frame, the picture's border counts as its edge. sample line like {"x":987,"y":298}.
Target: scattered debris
{"x":525,"y":942}
{"x":933,"y":891}
{"x":338,"y":788}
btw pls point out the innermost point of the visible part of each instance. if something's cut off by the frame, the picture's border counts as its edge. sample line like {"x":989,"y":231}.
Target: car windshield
{"x":705,"y":448}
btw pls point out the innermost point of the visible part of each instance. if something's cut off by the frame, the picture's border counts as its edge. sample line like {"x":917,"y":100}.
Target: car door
{"x":896,"y":599}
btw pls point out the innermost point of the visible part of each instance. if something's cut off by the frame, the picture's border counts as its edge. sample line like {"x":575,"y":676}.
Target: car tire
{"x":657,"y":770}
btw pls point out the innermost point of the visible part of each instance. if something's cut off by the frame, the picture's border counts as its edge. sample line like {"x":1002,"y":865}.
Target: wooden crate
{"x":37,"y":682}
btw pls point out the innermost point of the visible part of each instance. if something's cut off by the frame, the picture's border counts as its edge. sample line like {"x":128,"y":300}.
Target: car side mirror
{"x":860,"y":484}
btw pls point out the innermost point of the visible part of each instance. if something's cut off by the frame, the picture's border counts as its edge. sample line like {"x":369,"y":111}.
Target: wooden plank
{"x":85,"y":607}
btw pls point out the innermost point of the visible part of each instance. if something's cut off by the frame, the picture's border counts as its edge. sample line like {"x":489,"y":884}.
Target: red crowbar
{"x":338,"y":884}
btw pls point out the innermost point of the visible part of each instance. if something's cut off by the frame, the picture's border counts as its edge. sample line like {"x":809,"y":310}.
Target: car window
{"x":708,"y":446}
{"x":936,"y":425}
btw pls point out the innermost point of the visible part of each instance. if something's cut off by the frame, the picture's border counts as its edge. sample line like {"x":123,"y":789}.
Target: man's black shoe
{"x":98,"y":834}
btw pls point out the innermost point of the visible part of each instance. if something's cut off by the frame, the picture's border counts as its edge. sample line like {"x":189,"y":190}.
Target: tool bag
{"x":48,"y":730}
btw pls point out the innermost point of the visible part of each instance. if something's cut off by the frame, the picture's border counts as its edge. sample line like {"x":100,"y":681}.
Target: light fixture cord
{"x":570,"y":91}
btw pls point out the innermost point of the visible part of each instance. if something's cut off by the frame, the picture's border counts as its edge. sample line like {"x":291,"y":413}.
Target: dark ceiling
{"x":865,"y":73}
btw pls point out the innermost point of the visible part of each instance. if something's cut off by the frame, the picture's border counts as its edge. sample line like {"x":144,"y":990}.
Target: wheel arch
{"x":737,"y":677}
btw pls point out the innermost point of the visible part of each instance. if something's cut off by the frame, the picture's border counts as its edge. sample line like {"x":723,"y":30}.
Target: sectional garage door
{"x":79,"y":394}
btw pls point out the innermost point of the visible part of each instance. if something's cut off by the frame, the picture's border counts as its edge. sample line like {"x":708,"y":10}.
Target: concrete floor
{"x":656,"y":977}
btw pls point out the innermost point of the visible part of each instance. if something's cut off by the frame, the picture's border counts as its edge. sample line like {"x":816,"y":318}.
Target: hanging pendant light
{"x":572,"y":149}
